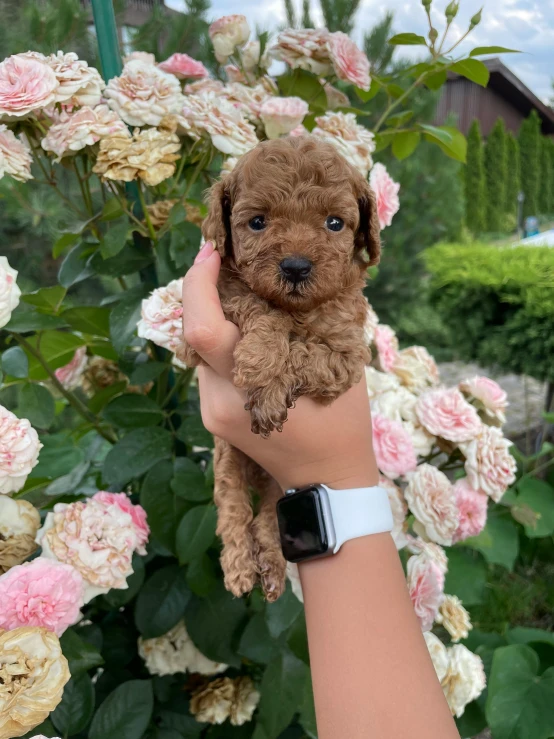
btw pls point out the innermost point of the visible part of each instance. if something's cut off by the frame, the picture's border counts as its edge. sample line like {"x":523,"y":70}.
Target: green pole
{"x":108,"y":40}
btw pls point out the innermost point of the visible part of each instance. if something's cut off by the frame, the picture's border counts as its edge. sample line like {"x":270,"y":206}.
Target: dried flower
{"x":227,"y":33}
{"x":19,"y":523}
{"x":225,"y":698}
{"x":386,"y":194}
{"x":245,"y":701}
{"x":149,"y":155}
{"x":354,"y":142}
{"x":175,"y":652}
{"x":15,"y":156}
{"x":27,"y":84}
{"x":33,"y":673}
{"x":454,"y":617}
{"x":282,"y":115}
{"x":71,"y":132}
{"x":19,"y":450}
{"x":70,"y":374}
{"x":144,"y":94}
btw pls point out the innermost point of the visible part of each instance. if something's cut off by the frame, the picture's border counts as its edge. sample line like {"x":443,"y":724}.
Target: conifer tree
{"x":496,"y":172}
{"x":529,"y":162}
{"x":475,"y":191}
{"x":545,"y":186}
{"x":513,"y":180}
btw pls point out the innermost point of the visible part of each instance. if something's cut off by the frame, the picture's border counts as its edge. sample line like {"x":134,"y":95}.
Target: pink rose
{"x":489,"y":397}
{"x":300,"y":130}
{"x":41,"y":593}
{"x":18,"y":451}
{"x":489,"y":465}
{"x":137,"y":513}
{"x":26,"y":84}
{"x":445,"y":413}
{"x":426,"y":588}
{"x":70,"y":374}
{"x":282,"y":115}
{"x":162,"y":316}
{"x":184,"y":66}
{"x":350,"y":63}
{"x":472,"y":510}
{"x":227,"y":33}
{"x":393,"y":447}
{"x":386,"y":344}
{"x":431,"y":499}
{"x":386,"y":193}
{"x":15,"y":155}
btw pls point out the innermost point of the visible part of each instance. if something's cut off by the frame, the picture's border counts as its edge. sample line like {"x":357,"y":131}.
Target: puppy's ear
{"x":217,"y":224}
{"x":368,"y":234}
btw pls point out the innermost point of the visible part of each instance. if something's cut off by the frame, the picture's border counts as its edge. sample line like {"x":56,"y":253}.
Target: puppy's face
{"x":296,"y":222}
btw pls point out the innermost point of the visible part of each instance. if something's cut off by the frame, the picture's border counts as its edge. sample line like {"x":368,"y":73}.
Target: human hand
{"x":330,"y":444}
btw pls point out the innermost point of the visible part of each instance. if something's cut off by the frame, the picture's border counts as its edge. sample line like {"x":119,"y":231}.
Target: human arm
{"x":372,"y":674}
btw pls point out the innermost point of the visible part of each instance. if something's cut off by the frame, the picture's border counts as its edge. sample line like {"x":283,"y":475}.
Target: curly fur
{"x":296,"y":340}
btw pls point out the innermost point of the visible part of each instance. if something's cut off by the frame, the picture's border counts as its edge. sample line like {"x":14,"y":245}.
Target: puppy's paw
{"x":188,"y":356}
{"x":268,"y":409}
{"x":272,"y":569}
{"x":240,"y":569}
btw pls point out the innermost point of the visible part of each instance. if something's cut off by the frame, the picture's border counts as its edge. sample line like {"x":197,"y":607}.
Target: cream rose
{"x":71,"y":132}
{"x":454,"y":617}
{"x":489,"y":465}
{"x":488,"y":397}
{"x":379,"y":382}
{"x":447,"y":414}
{"x":432,"y":500}
{"x":78,"y":84}
{"x":33,"y":673}
{"x":19,"y":448}
{"x":355,"y":143}
{"x":175,"y":652}
{"x":9,"y":292}
{"x":161,"y":316}
{"x":282,"y":115}
{"x":438,"y":653}
{"x":464,"y":680}
{"x":304,"y":48}
{"x":416,"y":369}
{"x":227,"y":33}
{"x":15,"y":156}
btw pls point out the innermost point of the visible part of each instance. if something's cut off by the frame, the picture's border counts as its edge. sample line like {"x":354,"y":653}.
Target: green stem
{"x":444,"y":37}
{"x":88,"y":206}
{"x":398,"y":101}
{"x":202,"y":162}
{"x":466,"y":34}
{"x":146,"y":215}
{"x":72,"y":399}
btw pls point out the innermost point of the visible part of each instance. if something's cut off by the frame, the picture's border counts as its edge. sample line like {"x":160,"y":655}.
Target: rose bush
{"x":115,"y":488}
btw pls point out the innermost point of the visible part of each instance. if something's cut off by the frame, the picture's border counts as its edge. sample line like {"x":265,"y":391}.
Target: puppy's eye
{"x":257,"y":223}
{"x":334,"y":223}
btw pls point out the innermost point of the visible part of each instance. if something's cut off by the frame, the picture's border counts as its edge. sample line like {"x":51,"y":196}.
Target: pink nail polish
{"x":204,"y":252}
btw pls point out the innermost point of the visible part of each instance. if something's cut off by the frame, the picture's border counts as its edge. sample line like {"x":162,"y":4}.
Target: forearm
{"x":372,"y":675}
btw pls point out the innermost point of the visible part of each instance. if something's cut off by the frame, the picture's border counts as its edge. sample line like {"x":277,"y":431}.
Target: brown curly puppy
{"x":296,"y":226}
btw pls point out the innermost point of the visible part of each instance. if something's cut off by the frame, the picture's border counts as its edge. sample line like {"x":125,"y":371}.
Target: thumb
{"x":205,"y":327}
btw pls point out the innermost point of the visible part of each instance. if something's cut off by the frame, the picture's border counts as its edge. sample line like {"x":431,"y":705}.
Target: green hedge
{"x":498,"y":303}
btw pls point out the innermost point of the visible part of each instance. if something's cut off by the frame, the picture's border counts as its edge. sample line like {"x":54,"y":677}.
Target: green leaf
{"x":114,"y":239}
{"x":519,"y":703}
{"x":120,"y":597}
{"x":201,"y":575}
{"x":58,"y":457}
{"x":67,"y":484}
{"x":131,"y":411}
{"x":480,"y":50}
{"x":527,"y":635}
{"x":282,"y":692}
{"x":256,"y":643}
{"x":466,"y":576}
{"x":47,"y":299}
{"x":162,"y":601}
{"x":174,"y":715}
{"x":125,"y":713}
{"x":37,"y":404}
{"x":539,"y":496}
{"x":367,"y":95}
{"x":213,"y":623}
{"x":112,"y":209}
{"x":146,"y":372}
{"x":447,"y":138}
{"x":23,"y":321}
{"x":65,"y":240}
{"x":498,"y":542}
{"x":405,"y":143}
{"x":124,"y":318}
{"x":193,"y":432}
{"x":283,"y":613}
{"x":75,"y":267}
{"x":45,"y":729}
{"x":297,"y":639}
{"x":158,"y":500}
{"x":103,"y":397}
{"x":77,"y":706}
{"x":305,"y":85}
{"x":307,"y":711}
{"x":185,"y":243}
{"x":437,"y":80}
{"x":407,"y":39}
{"x":81,"y":655}
{"x":94,"y":320}
{"x":189,"y":481}
{"x":196,"y":532}
{"x":57,"y":349}
{"x":473,"y":70}
{"x":395,"y":121}
{"x":472,"y":722}
{"x":15,"y":362}
{"x":135,"y":454}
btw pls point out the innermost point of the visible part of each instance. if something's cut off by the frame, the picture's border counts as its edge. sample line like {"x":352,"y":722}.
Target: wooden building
{"x":506,"y":96}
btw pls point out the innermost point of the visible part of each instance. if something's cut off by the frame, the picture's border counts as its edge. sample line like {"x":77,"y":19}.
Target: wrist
{"x":342,"y":476}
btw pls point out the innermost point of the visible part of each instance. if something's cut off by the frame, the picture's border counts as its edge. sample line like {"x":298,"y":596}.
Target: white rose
{"x":439,"y":654}
{"x":161,"y":316}
{"x":464,"y":680}
{"x":379,"y":382}
{"x":19,"y":448}
{"x":489,"y":465}
{"x":432,"y":500}
{"x":9,"y":291}
{"x":416,"y":369}
{"x":282,"y":115}
{"x":227,"y":33}
{"x":18,"y":517}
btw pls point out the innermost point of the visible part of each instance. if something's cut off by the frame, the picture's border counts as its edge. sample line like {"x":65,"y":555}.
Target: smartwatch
{"x":315,"y":521}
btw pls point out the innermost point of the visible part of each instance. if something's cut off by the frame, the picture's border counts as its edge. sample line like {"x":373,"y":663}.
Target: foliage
{"x":546,"y":177}
{"x":496,"y":172}
{"x":474,"y":181}
{"x":529,"y":159}
{"x":498,"y":303}
{"x":513,"y":180}
{"x":376,"y":46}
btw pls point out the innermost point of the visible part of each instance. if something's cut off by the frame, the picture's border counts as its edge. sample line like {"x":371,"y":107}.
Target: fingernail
{"x":204,"y":252}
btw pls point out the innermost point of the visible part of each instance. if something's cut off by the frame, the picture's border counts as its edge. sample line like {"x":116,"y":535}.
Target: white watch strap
{"x":359,"y":512}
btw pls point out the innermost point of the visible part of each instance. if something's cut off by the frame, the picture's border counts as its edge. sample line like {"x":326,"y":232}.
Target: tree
{"x":545,"y":186}
{"x":513,"y":180}
{"x":475,"y":190}
{"x":529,"y":162}
{"x":376,"y":44}
{"x":495,"y":176}
{"x":338,"y":15}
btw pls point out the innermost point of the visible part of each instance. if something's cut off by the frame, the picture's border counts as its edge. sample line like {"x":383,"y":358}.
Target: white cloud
{"x":527,"y":25}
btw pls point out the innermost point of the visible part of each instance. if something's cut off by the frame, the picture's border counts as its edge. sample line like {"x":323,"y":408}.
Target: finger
{"x":205,"y":327}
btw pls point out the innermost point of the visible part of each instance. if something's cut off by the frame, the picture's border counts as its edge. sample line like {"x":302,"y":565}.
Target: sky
{"x":527,"y":25}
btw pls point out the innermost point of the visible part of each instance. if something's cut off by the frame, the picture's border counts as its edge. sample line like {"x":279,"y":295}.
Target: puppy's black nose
{"x":296,"y":269}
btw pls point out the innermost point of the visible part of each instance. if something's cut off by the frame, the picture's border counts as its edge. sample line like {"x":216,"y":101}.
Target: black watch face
{"x":301,"y":525}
